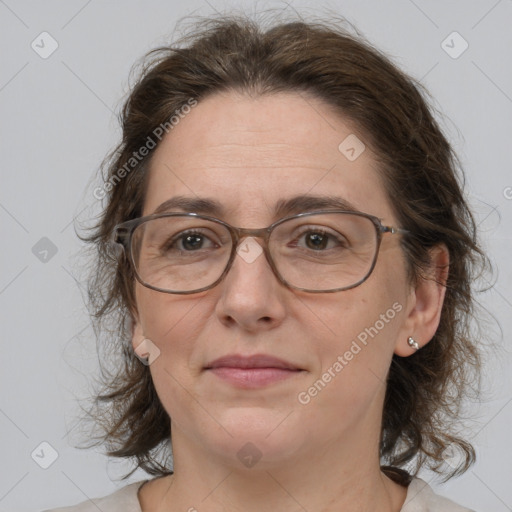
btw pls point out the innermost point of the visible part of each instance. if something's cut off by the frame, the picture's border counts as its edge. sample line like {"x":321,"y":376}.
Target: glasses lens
{"x":180,"y":253}
{"x":317,"y":252}
{"x":324,"y":251}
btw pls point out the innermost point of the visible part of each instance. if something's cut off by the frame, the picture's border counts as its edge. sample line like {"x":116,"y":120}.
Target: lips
{"x":252,"y":372}
{"x":248,"y":362}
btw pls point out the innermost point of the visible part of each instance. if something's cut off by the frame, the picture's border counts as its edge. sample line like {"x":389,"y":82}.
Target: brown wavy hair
{"x":422,"y":177}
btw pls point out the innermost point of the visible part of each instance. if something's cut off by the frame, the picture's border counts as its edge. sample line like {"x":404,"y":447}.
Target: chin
{"x":258,"y":438}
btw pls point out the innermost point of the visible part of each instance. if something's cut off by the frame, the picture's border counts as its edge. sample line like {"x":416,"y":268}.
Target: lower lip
{"x":252,"y":377}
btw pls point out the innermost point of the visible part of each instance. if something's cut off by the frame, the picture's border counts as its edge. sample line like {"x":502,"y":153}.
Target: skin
{"x":323,"y":456}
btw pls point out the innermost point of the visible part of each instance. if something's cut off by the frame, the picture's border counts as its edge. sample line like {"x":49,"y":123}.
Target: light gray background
{"x":57,"y":123}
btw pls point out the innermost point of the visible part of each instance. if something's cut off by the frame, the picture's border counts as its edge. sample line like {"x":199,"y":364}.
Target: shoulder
{"x":122,"y":500}
{"x":422,"y":498}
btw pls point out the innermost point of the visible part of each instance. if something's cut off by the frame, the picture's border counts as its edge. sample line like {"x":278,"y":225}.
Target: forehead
{"x":251,"y":154}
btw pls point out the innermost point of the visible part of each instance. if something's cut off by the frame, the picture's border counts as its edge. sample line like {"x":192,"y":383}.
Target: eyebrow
{"x":284,"y":207}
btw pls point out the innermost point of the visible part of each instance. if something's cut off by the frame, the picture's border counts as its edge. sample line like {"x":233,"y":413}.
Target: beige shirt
{"x":420,"y":498}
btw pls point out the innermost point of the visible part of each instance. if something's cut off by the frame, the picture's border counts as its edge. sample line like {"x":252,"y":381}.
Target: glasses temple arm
{"x":393,"y":230}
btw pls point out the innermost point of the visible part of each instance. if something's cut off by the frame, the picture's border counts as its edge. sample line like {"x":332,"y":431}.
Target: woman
{"x":288,"y":252}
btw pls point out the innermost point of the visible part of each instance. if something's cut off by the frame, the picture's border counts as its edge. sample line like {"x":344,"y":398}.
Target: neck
{"x":329,"y":478}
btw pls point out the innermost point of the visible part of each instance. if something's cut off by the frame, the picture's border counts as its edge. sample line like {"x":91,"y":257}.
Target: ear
{"x":425,"y":303}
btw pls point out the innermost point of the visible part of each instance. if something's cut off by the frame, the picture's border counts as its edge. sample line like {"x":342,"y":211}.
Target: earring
{"x":413,"y":343}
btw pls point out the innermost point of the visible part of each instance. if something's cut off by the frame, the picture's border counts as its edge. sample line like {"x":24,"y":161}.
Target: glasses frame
{"x":123,"y":234}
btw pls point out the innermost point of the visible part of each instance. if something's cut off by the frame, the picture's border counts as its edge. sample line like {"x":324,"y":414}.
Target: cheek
{"x":351,"y":382}
{"x":354,"y":336}
{"x":173,"y":324}
{"x":358,"y":317}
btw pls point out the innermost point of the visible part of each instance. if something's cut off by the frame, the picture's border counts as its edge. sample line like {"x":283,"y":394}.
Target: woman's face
{"x":249,"y":154}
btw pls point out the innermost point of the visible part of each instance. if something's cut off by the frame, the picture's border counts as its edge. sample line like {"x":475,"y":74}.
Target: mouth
{"x":253,"y":371}
{"x":251,"y":362}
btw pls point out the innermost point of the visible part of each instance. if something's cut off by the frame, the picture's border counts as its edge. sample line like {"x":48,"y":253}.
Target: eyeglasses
{"x":319,"y":252}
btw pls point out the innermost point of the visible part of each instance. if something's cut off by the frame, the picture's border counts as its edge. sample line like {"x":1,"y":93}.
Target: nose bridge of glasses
{"x":242,"y":233}
{"x":248,"y":252}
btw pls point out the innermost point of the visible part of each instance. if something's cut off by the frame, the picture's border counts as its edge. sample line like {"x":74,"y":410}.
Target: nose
{"x":250,"y":294}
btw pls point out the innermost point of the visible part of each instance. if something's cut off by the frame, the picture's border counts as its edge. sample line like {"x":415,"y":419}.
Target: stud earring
{"x":413,"y":343}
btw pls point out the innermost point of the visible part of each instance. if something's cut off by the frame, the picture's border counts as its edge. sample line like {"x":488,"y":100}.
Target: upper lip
{"x":253,"y":361}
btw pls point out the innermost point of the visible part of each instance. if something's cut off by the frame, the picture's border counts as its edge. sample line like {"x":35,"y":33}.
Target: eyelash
{"x":303,"y":231}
